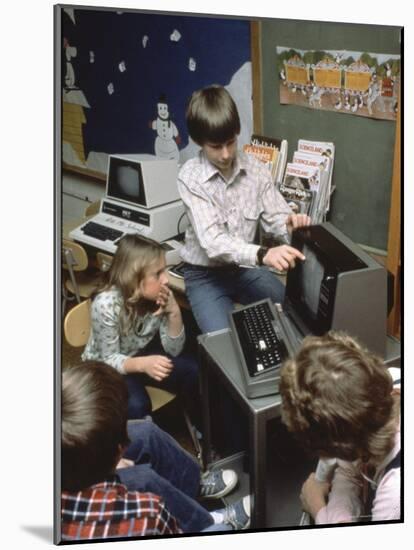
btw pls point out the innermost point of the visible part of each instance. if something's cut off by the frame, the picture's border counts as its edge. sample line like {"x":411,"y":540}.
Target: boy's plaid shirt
{"x":224,"y":215}
{"x":108,"y":510}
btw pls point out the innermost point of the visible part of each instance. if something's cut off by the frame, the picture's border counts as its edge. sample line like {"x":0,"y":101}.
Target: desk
{"x":213,"y":348}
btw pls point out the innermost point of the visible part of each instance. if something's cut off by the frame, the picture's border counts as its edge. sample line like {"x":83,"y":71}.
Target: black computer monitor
{"x":125,"y":181}
{"x":339,"y":286}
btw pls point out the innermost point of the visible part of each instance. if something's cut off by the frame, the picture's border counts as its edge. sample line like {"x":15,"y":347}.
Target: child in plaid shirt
{"x":94,"y":504}
{"x":99,"y":501}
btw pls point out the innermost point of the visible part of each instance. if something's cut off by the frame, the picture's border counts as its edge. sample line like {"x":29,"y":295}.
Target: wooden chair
{"x":77,"y":324}
{"x":104,"y":261}
{"x":81,"y":285}
{"x":92,"y":209}
{"x":76,"y":328}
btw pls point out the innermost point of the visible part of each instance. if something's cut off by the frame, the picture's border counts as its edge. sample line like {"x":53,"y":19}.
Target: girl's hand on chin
{"x":166,"y":302}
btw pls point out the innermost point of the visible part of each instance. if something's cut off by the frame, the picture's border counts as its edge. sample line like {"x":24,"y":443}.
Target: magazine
{"x":268,"y":155}
{"x":315,"y":161}
{"x":323,"y":164}
{"x":281,"y":165}
{"x":258,"y":139}
{"x":309,"y":176}
{"x":281,"y":146}
{"x":325,"y":149}
{"x":317,"y":147}
{"x":300,"y":201}
{"x":299,"y":188}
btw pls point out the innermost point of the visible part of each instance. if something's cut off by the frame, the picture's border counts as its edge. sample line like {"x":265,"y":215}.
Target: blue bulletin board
{"x":118,"y":66}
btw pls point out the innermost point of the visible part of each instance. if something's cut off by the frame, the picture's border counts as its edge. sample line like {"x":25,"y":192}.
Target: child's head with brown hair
{"x":94,"y":423}
{"x":137,"y":258}
{"x":212,"y":116}
{"x":336,"y":399}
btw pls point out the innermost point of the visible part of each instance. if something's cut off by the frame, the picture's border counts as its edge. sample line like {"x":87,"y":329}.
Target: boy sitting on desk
{"x":226,"y":193}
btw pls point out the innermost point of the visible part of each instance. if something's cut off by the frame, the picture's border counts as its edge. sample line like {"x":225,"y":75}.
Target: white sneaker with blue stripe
{"x":217,"y":483}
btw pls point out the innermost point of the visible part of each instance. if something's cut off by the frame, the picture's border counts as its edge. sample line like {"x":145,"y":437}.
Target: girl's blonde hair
{"x":134,"y":256}
{"x":336,"y":399}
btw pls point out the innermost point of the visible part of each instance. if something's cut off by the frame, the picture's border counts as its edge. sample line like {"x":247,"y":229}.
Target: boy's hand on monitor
{"x":282,"y":257}
{"x":297,"y":220}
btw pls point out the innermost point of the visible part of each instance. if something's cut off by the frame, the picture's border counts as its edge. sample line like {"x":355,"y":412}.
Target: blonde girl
{"x":137,"y":326}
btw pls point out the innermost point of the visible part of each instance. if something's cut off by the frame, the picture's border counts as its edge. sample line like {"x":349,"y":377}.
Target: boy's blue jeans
{"x":164,"y":468}
{"x":213,"y":291}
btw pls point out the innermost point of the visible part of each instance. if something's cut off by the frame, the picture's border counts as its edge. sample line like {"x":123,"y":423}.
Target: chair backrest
{"x":159,"y":397}
{"x":74,"y":256}
{"x":92,"y":209}
{"x":104,"y":261}
{"x":77,"y":324}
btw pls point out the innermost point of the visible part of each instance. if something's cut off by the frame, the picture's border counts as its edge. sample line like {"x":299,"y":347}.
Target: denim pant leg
{"x":150,"y":444}
{"x":210,"y":297}
{"x":256,"y":284}
{"x":190,"y":515}
{"x":212,"y":292}
{"x":184,"y":376}
{"x":139,"y":403}
{"x":164,"y":468}
{"x":184,"y":380}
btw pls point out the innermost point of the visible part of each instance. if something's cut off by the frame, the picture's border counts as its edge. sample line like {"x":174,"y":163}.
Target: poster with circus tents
{"x":358,"y":83}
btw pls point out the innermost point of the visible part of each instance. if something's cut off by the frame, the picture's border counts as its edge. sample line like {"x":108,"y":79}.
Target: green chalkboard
{"x":364,"y":146}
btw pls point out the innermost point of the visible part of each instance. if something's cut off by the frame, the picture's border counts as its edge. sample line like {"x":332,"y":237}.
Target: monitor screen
{"x":125,"y":182}
{"x":311,"y":285}
{"x":311,"y":276}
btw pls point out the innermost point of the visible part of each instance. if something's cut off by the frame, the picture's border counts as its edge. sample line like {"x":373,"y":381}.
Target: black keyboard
{"x":101,"y":232}
{"x":259,"y":337}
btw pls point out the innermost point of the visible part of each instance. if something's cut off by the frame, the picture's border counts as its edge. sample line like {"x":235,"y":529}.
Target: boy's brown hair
{"x":94,"y":423}
{"x":212,"y":116}
{"x":336,"y":399}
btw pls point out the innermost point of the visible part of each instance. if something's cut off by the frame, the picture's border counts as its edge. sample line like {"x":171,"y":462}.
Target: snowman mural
{"x":167,"y":132}
{"x":70,"y":51}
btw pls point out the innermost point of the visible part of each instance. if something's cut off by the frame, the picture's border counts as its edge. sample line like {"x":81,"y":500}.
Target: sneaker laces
{"x":232,"y":516}
{"x":211,"y":482}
